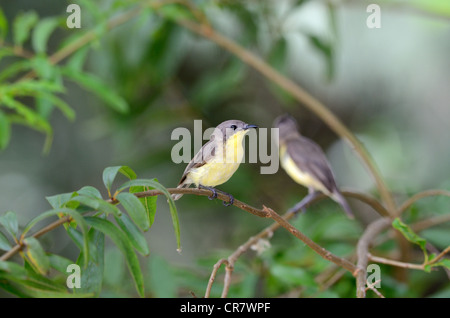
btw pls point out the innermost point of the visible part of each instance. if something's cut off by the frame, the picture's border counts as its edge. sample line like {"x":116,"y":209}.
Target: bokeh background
{"x":390,"y":86}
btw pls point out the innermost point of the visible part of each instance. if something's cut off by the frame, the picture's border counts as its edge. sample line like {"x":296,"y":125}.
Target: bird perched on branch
{"x":217,"y":160}
{"x":304,"y":161}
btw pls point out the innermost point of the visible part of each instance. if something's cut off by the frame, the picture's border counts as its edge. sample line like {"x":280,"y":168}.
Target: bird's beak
{"x":249,"y":126}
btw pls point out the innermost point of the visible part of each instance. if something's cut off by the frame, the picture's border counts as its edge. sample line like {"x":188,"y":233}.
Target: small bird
{"x":304,"y":161}
{"x":217,"y":160}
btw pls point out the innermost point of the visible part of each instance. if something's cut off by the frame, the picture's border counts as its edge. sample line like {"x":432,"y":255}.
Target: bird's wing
{"x":201,"y":158}
{"x":310,"y":159}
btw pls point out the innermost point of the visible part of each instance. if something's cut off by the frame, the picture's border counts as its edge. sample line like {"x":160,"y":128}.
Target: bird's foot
{"x":214,"y":195}
{"x":214,"y":192}
{"x":230,"y":201}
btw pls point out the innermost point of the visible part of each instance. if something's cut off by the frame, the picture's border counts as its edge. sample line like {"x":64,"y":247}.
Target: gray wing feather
{"x":309,"y":158}
{"x":201,"y":158}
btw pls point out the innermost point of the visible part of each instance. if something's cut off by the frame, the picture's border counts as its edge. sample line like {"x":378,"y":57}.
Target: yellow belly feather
{"x":297,"y":175}
{"x":221,"y":167}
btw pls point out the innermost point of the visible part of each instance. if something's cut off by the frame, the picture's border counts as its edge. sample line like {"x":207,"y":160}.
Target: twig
{"x":18,"y":247}
{"x":213,"y":275}
{"x":440,"y":255}
{"x":362,"y":252}
{"x":418,"y":196}
{"x":265,"y":213}
{"x":372,"y":288}
{"x":383,"y":260}
{"x":342,"y":262}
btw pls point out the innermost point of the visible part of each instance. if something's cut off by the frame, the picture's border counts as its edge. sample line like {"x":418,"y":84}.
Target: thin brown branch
{"x":373,"y":288}
{"x":342,"y":262}
{"x":439,"y":256}
{"x":213,"y":275}
{"x":392,"y":262}
{"x":387,"y":261}
{"x":362,"y":252}
{"x":18,"y":247}
{"x":273,"y":227}
{"x":418,"y":196}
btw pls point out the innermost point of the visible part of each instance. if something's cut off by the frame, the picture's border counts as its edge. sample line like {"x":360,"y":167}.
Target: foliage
{"x":88,"y":227}
{"x":161,"y":76}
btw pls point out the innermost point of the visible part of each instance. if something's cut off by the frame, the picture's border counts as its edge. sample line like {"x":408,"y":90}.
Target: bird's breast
{"x":299,"y":176}
{"x":221,"y":166}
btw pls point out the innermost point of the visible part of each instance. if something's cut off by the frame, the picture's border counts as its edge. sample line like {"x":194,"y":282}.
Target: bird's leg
{"x":304,"y":202}
{"x":214,"y":192}
{"x":230,"y":198}
{"x":214,"y":195}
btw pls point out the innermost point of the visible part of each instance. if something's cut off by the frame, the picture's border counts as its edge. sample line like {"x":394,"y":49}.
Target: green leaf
{"x":218,"y":84}
{"x":22,"y":26}
{"x":3,"y":26}
{"x":31,"y":288}
{"x":109,"y":174}
{"x":326,"y":48}
{"x":73,"y":213}
{"x":161,"y":188}
{"x":295,"y":276}
{"x":30,"y":117}
{"x":98,"y":204}
{"x":123,"y":243}
{"x":42,"y":32}
{"x":77,"y":60}
{"x":135,"y":236}
{"x":52,"y":100}
{"x":176,"y":12}
{"x":4,"y":243}
{"x":30,"y":87}
{"x":15,"y":68}
{"x":5,"y":51}
{"x":115,"y":270}
{"x":149,"y":202}
{"x":445,"y":262}
{"x":76,"y":237}
{"x":9,"y":222}
{"x":5,"y":131}
{"x":438,"y":7}
{"x":59,"y":200}
{"x":96,"y":86}
{"x":162,"y":278}
{"x":36,"y":256}
{"x":277,"y":56}
{"x":59,"y":263}
{"x":90,"y":191}
{"x":135,"y":209}
{"x":409,"y":234}
{"x":92,"y":278}
{"x":12,"y":269}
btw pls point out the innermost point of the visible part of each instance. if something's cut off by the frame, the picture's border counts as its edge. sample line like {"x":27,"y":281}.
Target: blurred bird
{"x":304,"y":161}
{"x":217,"y":160}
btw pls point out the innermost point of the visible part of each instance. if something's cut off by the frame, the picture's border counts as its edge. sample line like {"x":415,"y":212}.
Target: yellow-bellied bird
{"x":304,"y":161}
{"x":217,"y":160}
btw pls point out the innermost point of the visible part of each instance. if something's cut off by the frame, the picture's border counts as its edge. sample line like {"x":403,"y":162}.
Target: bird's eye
{"x":233,"y":126}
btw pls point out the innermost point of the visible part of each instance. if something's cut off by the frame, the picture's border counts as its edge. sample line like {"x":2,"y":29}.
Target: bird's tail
{"x":179,"y":195}
{"x":339,"y":198}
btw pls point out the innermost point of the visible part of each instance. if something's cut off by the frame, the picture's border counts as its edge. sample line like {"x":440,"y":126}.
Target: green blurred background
{"x":390,"y":86}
